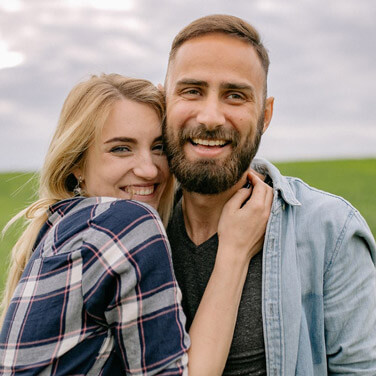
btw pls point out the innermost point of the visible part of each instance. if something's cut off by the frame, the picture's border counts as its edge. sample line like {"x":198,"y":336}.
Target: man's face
{"x":216,"y":112}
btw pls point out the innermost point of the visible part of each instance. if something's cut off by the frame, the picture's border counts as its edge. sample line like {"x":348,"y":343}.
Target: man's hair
{"x":225,"y":24}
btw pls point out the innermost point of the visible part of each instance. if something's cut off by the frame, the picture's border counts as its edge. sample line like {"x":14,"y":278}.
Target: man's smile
{"x":205,"y":142}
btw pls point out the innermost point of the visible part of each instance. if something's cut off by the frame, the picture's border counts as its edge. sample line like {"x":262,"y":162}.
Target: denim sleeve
{"x":350,"y":301}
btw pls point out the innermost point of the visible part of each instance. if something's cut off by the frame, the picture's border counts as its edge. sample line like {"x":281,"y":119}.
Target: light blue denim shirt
{"x":319,"y":283}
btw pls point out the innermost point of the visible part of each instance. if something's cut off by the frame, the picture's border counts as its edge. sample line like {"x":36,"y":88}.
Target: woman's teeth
{"x":200,"y":141}
{"x":140,"y":191}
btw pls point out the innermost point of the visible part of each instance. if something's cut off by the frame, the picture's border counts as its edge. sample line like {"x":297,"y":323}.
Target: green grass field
{"x":355,"y":180}
{"x":17,"y":190}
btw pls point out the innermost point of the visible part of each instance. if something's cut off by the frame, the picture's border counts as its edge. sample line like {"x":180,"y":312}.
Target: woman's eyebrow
{"x":160,"y":138}
{"x":128,"y":139}
{"x":120,"y":139}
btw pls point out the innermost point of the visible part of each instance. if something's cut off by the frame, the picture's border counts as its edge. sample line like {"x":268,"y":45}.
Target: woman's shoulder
{"x":125,"y":215}
{"x":81,"y":219}
{"x":104,"y":211}
{"x":95,"y":207}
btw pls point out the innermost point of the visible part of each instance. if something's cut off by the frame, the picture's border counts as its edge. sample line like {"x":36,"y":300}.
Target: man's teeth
{"x":140,"y":191}
{"x":200,"y":141}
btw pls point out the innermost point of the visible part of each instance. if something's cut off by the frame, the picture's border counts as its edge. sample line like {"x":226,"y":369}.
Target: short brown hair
{"x":226,"y":24}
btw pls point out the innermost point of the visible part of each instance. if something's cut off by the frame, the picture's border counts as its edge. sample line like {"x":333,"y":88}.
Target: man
{"x":309,"y":302}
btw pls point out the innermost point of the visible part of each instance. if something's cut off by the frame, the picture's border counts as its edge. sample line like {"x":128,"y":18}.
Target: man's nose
{"x":145,"y":167}
{"x":211,"y":112}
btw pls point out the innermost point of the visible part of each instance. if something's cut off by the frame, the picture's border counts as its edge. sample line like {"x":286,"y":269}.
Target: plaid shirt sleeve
{"x":110,"y":307}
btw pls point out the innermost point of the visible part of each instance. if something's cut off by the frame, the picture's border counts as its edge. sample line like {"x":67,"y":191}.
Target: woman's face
{"x":127,"y":161}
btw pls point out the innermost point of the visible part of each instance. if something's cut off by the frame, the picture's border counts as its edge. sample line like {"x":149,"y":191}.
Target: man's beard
{"x":211,"y":176}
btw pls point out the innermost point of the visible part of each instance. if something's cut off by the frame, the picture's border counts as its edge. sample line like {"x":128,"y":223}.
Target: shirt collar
{"x":280,"y":183}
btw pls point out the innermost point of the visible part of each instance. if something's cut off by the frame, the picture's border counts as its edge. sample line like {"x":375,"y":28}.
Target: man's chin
{"x":207,"y":177}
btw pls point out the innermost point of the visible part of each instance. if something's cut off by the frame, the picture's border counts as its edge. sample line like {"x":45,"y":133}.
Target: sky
{"x":322,"y":73}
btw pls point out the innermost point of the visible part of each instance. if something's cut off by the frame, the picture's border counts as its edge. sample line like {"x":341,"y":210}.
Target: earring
{"x":77,"y":189}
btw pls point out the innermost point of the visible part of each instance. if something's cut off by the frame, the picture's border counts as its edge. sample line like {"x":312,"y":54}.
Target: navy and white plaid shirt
{"x":98,"y":296}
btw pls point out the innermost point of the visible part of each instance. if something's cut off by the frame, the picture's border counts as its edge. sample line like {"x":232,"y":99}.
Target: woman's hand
{"x":242,"y":224}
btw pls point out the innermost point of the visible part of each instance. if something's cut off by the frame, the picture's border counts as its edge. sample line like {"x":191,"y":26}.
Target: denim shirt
{"x":319,"y":283}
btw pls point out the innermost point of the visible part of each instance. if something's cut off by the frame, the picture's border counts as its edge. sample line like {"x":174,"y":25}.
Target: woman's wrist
{"x":235,"y":255}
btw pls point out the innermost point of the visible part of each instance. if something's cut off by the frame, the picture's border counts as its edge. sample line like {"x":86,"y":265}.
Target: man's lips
{"x":140,"y":190}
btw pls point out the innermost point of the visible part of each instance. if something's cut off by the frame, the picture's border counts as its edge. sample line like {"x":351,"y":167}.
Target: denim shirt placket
{"x":271,"y":292}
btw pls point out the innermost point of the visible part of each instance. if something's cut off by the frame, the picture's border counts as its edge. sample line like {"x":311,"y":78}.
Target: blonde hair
{"x":82,"y":117}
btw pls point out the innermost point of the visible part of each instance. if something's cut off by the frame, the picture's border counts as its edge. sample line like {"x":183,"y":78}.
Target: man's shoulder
{"x":327,"y":219}
{"x":298,"y":193}
{"x":314,"y":212}
{"x":322,"y":213}
{"x":316,"y":198}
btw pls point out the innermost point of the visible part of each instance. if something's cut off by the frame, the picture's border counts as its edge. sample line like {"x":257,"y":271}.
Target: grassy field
{"x":17,"y":190}
{"x":355,"y":180}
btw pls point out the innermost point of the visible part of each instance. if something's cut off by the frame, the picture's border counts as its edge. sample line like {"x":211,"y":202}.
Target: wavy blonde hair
{"x":82,"y":117}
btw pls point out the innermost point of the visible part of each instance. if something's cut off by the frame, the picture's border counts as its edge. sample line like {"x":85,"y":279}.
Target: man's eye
{"x":235,"y":96}
{"x":120,"y":149}
{"x":158,"y":149}
{"x":191,"y":92}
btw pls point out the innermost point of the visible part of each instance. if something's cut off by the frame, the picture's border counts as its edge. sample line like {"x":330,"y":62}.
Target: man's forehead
{"x":216,"y":50}
{"x":209,"y":40}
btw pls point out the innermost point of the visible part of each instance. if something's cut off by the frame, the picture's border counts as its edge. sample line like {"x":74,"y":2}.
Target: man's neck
{"x":202,"y":212}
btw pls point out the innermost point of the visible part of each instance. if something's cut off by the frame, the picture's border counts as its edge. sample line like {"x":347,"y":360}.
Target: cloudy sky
{"x":322,"y":75}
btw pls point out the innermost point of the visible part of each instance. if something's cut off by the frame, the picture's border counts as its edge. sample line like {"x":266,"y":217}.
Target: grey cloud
{"x":322,"y":70}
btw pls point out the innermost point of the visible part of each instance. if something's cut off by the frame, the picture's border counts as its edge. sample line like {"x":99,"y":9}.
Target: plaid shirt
{"x":98,"y":296}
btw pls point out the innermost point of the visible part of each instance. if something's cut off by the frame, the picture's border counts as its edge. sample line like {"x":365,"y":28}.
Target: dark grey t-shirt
{"x":193,"y":266}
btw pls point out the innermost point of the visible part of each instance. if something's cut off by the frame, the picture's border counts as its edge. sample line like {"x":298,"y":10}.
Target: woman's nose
{"x":146,"y":168}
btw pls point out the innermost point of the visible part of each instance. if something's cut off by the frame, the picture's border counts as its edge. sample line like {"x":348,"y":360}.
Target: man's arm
{"x":350,"y":301}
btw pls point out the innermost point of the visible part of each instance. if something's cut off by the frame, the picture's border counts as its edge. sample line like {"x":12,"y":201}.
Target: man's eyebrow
{"x":223,"y":85}
{"x":246,"y":88}
{"x":191,"y":81}
{"x":129,"y":140}
{"x":237,"y":86}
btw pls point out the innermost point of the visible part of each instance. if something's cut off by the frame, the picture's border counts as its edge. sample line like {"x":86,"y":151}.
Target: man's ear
{"x":268,"y":112}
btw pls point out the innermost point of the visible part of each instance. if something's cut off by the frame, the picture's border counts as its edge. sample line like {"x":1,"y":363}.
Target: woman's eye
{"x":120,"y":149}
{"x":158,"y":149}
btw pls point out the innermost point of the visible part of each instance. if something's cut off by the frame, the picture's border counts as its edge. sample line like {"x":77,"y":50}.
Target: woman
{"x":91,"y":288}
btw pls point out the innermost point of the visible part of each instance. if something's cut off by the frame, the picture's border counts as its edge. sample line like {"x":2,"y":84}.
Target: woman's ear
{"x":78,"y":174}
